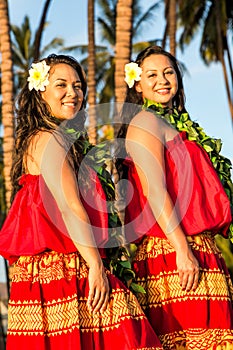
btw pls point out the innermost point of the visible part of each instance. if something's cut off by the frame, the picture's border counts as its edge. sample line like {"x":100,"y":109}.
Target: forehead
{"x":63,"y":71}
{"x":156,"y":61}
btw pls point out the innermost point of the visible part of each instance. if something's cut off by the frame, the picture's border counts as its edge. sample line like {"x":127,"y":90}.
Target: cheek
{"x":80,"y":95}
{"x":175,"y":83}
{"x":145,"y":85}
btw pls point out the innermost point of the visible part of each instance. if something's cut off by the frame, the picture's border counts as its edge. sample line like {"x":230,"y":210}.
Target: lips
{"x":69,"y":104}
{"x":163,"y":91}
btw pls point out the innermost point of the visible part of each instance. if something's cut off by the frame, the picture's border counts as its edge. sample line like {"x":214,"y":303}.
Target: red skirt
{"x":197,"y":320}
{"x":47,"y":309}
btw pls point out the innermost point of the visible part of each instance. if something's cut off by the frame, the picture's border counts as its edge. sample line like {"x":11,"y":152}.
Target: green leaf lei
{"x":119,"y":257}
{"x":182,"y":122}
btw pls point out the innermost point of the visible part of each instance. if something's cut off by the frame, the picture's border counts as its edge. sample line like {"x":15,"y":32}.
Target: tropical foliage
{"x":214,"y":19}
{"x":105,"y":54}
{"x":23,"y":49}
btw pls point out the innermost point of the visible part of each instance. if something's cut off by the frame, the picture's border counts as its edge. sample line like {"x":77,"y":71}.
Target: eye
{"x":78,"y":87}
{"x":61,"y":85}
{"x":152,"y":75}
{"x":170,"y":71}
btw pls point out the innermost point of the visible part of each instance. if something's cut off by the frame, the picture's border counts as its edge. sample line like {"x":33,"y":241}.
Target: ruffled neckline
{"x":25,"y":178}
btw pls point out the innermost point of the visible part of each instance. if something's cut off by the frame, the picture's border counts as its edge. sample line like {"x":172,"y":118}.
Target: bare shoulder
{"x":45,"y":142}
{"x":44,"y":138}
{"x":146,"y":122}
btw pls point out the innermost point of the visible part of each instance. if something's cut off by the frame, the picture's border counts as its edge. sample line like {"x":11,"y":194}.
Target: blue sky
{"x":206,"y":98}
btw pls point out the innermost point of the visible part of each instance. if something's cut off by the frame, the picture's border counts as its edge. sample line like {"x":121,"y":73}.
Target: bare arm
{"x":145,"y":143}
{"x":60,"y":178}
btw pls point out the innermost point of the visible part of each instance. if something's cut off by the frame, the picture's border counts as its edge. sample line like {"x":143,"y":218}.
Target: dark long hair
{"x":33,"y":114}
{"x":134,"y":101}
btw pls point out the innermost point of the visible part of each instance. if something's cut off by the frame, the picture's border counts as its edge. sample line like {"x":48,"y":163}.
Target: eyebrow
{"x":76,"y":81}
{"x":155,"y":69}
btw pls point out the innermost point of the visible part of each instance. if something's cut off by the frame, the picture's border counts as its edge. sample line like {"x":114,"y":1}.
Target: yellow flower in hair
{"x":132,"y":73}
{"x":38,"y":76}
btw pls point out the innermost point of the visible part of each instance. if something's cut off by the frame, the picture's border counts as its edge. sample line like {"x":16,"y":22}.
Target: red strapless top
{"x":34,"y":223}
{"x":195,"y":189}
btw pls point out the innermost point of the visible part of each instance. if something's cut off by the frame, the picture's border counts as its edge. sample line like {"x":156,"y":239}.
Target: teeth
{"x":69,"y":104}
{"x":163,"y":90}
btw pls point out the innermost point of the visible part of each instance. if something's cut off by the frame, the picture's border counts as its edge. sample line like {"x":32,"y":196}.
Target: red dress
{"x":47,"y":306}
{"x":200,"y":319}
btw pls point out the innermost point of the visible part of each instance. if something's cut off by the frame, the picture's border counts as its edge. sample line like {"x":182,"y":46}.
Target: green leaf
{"x":179,"y":125}
{"x":125,"y":264}
{"x":70,"y":131}
{"x":184,"y":117}
{"x":128,"y":275}
{"x":208,"y":148}
{"x":218,"y":144}
{"x":137,"y":288}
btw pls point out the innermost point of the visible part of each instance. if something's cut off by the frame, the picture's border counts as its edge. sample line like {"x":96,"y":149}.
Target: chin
{"x":69,"y":117}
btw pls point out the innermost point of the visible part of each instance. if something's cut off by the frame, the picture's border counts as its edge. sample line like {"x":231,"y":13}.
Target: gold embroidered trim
{"x":165,"y":288}
{"x":49,"y":266}
{"x":153,"y":348}
{"x":64,"y":315}
{"x":199,"y":339}
{"x":152,"y":247}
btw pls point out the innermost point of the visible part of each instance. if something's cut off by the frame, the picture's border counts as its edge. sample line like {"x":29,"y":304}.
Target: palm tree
{"x":171,"y":24}
{"x":7,"y":91}
{"x":2,"y":187}
{"x":23,"y":48}
{"x":215,"y":20}
{"x":105,"y":54}
{"x":39,"y":32}
{"x":107,"y":22}
{"x":123,"y":45}
{"x":91,"y":73}
{"x":124,"y":26}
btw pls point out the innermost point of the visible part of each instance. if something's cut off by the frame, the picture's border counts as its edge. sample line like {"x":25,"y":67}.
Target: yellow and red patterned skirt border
{"x":196,"y":320}
{"x":47,"y":309}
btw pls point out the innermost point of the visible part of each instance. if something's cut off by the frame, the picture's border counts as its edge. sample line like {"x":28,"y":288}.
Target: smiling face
{"x":158,"y":80}
{"x":64,"y":92}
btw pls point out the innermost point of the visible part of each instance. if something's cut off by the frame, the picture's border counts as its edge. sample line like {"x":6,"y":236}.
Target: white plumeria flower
{"x":132,"y":73}
{"x":38,"y":76}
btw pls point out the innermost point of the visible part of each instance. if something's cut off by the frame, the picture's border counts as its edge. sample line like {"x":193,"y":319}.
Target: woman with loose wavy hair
{"x":62,"y":296}
{"x":33,"y":114}
{"x":175,"y":204}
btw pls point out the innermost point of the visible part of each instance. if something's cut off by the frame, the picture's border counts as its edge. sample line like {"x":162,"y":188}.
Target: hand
{"x":188,"y":268}
{"x":99,"y":289}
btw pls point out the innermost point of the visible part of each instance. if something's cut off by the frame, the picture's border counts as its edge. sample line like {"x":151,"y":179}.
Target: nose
{"x":71,"y":91}
{"x":161,"y":78}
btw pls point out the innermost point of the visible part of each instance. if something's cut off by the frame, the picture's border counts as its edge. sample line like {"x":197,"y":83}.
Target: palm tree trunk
{"x":37,"y":42}
{"x":122,"y":56}
{"x":123,"y":45}
{"x":91,"y":73}
{"x":7,"y":97}
{"x":172,"y":26}
{"x":230,"y":102}
{"x":220,"y":51}
{"x":229,"y":62}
